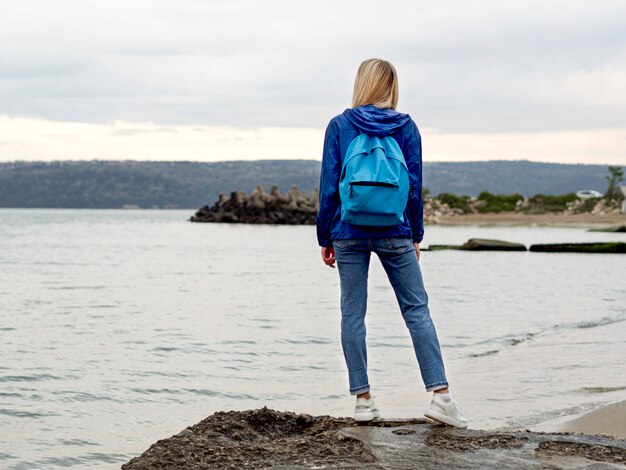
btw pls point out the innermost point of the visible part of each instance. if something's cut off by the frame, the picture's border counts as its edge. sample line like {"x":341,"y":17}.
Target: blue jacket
{"x":339,"y":133}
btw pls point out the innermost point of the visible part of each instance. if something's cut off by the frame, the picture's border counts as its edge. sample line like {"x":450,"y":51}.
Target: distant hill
{"x":507,"y":177}
{"x":112,"y":184}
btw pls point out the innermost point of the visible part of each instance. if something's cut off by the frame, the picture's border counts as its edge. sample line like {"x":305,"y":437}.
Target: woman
{"x":373,"y":113}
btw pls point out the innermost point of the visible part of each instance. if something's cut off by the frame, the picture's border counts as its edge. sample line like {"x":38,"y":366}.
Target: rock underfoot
{"x":266,"y":438}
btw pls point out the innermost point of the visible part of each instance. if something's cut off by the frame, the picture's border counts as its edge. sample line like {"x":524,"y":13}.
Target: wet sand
{"x":610,"y":419}
{"x":553,"y":220}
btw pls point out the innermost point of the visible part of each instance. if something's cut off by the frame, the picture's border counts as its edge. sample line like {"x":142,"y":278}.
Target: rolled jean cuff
{"x":436,"y":386}
{"x":359,"y":390}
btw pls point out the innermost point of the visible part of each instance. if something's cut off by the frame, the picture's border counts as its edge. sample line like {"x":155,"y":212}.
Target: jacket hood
{"x":375,"y":121}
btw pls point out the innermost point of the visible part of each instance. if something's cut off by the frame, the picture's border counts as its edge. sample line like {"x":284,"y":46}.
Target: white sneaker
{"x":365,"y":410}
{"x":445,"y":412}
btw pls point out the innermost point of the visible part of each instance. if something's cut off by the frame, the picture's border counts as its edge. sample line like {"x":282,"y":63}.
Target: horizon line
{"x":130,"y":160}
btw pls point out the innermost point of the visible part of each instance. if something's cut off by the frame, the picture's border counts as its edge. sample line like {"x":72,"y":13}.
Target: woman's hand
{"x":328,"y":256}
{"x":417,"y":250}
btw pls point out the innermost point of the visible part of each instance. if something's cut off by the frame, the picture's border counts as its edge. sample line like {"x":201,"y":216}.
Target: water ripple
{"x":491,"y":352}
{"x":602,"y":389}
{"x":25,"y":414}
{"x":151,"y":391}
{"x":29,"y":378}
{"x":213,"y":393}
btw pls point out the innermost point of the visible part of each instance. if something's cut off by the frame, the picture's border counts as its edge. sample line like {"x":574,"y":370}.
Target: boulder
{"x":600,"y":247}
{"x":235,"y":198}
{"x":441,"y":247}
{"x":617,"y":229}
{"x":314,"y":198}
{"x":481,"y":244}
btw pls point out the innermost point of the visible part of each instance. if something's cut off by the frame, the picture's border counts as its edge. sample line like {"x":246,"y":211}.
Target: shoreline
{"x":585,"y":220}
{"x":550,"y":220}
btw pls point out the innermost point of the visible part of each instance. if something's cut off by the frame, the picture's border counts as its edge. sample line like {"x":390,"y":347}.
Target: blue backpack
{"x":374,"y":182}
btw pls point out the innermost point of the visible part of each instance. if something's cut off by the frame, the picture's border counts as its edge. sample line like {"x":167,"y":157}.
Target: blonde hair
{"x":376,"y":83}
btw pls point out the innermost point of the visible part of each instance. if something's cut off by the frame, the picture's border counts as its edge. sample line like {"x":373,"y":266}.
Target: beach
{"x":609,"y":419}
{"x":549,"y":219}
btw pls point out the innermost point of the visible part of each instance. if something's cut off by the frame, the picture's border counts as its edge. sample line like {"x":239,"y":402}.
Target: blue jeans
{"x":401,"y":265}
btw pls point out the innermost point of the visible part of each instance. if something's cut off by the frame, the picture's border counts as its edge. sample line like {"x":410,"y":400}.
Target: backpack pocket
{"x":373,"y":203}
{"x":374,"y":196}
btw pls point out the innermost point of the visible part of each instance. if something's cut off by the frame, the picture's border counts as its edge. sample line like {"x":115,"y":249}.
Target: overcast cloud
{"x":469,"y":68}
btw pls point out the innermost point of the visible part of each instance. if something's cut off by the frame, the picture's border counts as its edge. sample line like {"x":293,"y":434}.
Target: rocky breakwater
{"x":259,"y":207}
{"x":266,"y":438}
{"x":292,"y":208}
{"x":434,"y":209}
{"x":601,"y":206}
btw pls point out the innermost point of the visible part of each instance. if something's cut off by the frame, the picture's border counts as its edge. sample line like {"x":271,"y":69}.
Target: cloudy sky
{"x":219,"y":80}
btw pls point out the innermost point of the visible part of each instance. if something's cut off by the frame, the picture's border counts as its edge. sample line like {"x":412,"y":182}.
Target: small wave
{"x":90,"y":306}
{"x":68,"y":396}
{"x":305,"y":341}
{"x":545,"y":416}
{"x":133,"y":341}
{"x":78,"y":288}
{"x":300,"y":368}
{"x":81,"y":460}
{"x":521,"y":339}
{"x":486,"y":353}
{"x":24,"y":414}
{"x":150,"y":373}
{"x":28,"y":378}
{"x":56,"y":462}
{"x":602,"y":322}
{"x":332,"y":397}
{"x":517,"y":339}
{"x":242,"y":361}
{"x":166,"y":348}
{"x":152,"y":391}
{"x":213,"y":393}
{"x":249,"y":353}
{"x":106,"y":458}
{"x":77,"y":442}
{"x":237,"y":341}
{"x":602,"y":389}
{"x":382,"y":344}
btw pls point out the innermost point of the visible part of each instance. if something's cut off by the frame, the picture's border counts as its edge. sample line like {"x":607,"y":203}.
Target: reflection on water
{"x":119,"y":328}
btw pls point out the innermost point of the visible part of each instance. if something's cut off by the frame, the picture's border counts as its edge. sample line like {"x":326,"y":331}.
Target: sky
{"x":211,"y":80}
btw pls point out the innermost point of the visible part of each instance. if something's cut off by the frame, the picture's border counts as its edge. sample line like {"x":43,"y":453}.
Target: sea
{"x":122,"y":327}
